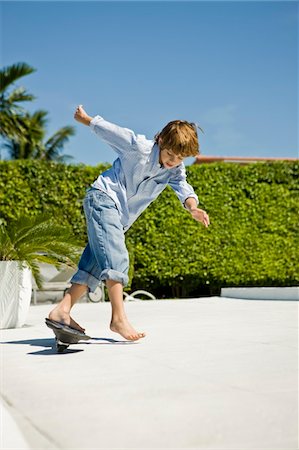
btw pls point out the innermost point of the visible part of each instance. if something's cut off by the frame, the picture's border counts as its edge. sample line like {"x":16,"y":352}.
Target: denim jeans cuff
{"x":85,"y":278}
{"x":110,"y":274}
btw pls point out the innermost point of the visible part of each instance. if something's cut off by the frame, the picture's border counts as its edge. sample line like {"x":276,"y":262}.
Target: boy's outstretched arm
{"x":198,"y":214}
{"x":119,"y":138}
{"x":187,"y":196}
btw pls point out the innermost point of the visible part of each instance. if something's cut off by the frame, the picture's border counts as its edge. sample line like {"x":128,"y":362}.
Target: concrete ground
{"x":212,"y":373}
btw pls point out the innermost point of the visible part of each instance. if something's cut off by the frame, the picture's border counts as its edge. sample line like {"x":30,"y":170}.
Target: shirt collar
{"x":156,"y":150}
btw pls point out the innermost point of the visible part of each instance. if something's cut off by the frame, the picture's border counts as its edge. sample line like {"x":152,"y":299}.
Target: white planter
{"x":15,"y":294}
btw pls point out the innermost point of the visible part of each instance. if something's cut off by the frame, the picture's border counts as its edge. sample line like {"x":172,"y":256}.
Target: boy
{"x":141,"y":172}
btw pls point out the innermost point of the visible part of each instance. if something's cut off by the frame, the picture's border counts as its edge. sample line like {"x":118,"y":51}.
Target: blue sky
{"x":230,"y":66}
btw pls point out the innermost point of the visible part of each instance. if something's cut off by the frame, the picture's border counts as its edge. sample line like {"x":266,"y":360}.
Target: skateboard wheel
{"x":61,"y":347}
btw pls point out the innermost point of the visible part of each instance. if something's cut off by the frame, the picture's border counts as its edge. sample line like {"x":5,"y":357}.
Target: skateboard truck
{"x":65,"y":335}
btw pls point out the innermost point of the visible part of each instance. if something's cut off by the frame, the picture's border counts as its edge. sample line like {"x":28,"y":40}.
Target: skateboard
{"x":65,"y":335}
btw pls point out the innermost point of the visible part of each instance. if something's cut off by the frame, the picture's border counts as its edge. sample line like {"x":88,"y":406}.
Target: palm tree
{"x":24,"y":133}
{"x":25,"y":146}
{"x":11,"y":112}
{"x":38,"y":240}
{"x":32,"y":144}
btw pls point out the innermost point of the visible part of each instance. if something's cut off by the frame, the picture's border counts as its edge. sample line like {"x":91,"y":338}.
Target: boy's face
{"x":169,"y":159}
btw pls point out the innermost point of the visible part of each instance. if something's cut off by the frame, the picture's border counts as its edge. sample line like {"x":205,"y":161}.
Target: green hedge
{"x":252,"y":240}
{"x":29,"y":187}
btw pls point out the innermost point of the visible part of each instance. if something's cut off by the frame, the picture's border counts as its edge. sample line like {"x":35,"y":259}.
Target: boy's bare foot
{"x":65,"y":318}
{"x":124,"y":328}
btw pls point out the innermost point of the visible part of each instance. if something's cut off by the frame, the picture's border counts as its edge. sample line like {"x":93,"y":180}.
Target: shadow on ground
{"x":50,"y":346}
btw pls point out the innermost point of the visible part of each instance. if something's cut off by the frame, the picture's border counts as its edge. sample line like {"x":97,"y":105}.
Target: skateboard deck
{"x":65,"y":335}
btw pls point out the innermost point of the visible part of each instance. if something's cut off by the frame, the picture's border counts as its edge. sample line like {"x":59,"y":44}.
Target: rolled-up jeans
{"x":105,"y":257}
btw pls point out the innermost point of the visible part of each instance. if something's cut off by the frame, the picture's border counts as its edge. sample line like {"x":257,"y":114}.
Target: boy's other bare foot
{"x":65,"y":318}
{"x":124,"y":328}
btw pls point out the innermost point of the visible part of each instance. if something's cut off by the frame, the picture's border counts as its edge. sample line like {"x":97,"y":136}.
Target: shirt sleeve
{"x":120,"y":139}
{"x":180,"y":186}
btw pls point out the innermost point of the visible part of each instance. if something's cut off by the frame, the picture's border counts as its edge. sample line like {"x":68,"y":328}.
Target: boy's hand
{"x":81,"y":116}
{"x":200,"y":215}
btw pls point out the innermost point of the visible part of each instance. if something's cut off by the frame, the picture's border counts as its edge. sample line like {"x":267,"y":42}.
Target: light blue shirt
{"x":136,"y":177}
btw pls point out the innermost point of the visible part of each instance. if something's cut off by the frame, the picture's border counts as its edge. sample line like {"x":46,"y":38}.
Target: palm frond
{"x":19,"y":95}
{"x":6,"y":247}
{"x":11,"y":125}
{"x":56,"y":142}
{"x":13,"y":148}
{"x":34,"y":267}
{"x":39,"y":240}
{"x":11,"y":113}
{"x":39,"y":117}
{"x":10,"y":74}
{"x":64,"y":159}
{"x":28,"y":143}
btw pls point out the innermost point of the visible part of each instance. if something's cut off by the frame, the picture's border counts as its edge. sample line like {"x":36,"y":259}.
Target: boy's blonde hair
{"x":180,"y":137}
